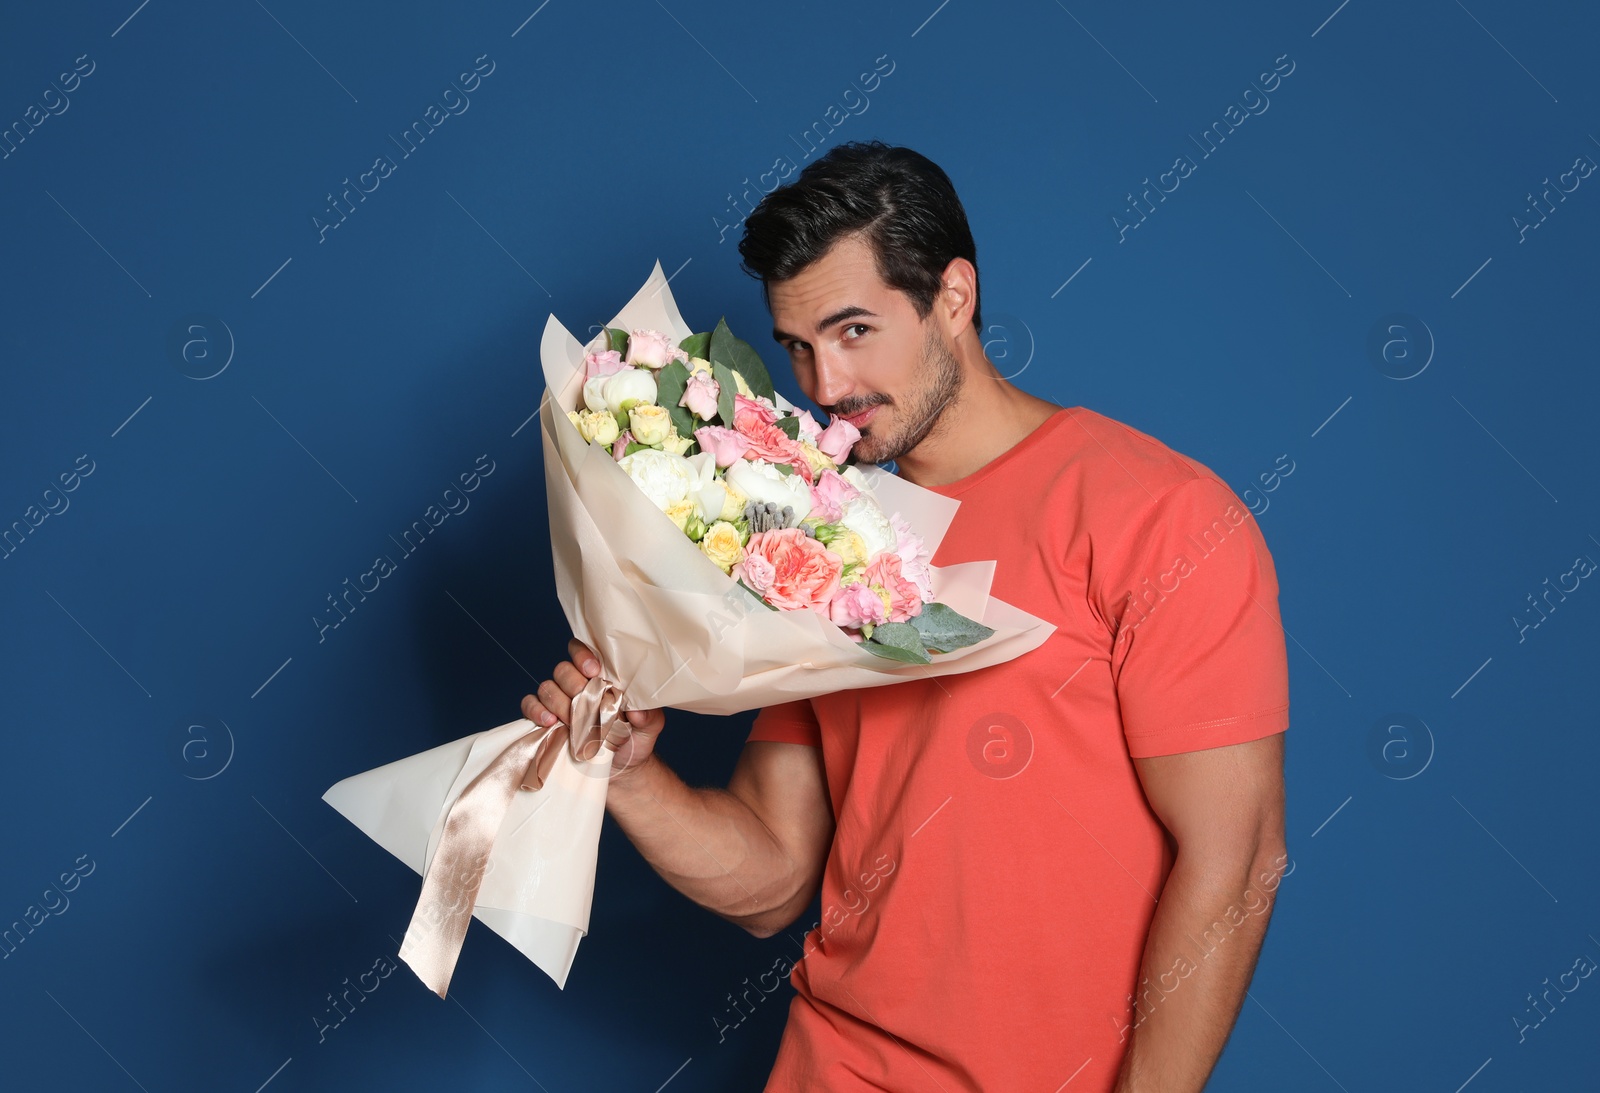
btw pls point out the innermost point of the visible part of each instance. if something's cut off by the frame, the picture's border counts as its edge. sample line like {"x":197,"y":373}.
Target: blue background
{"x":1441,"y":873}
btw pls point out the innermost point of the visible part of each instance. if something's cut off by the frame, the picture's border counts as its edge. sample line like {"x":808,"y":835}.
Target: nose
{"x":832,"y":380}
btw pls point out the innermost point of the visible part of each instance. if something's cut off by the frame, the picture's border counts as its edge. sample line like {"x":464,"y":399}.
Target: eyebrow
{"x":850,"y":312}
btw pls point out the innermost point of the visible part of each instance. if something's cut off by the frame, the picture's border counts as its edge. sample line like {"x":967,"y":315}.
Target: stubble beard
{"x":942,"y":379}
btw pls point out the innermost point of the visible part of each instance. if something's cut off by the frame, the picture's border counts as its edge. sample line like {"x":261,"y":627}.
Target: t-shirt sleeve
{"x":1198,"y":657}
{"x":788,"y":723}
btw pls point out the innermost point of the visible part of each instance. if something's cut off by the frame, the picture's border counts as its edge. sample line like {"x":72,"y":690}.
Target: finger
{"x":568,"y":677}
{"x":555,"y":699}
{"x":535,"y":711}
{"x":583,"y":657}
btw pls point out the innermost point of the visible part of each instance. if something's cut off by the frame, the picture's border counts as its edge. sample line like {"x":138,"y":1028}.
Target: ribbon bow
{"x":450,"y":889}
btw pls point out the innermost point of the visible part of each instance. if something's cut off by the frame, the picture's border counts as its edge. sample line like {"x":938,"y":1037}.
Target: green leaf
{"x":898,"y":641}
{"x":782,"y":468}
{"x":790,"y":425}
{"x":726,"y":389}
{"x":944,"y":629}
{"x":670,"y":382}
{"x":738,"y":354}
{"x":617,"y":338}
{"x":634,"y":446}
{"x":696,"y":345}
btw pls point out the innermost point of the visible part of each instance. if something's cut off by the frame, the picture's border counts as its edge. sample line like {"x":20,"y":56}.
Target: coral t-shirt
{"x":995,"y":863}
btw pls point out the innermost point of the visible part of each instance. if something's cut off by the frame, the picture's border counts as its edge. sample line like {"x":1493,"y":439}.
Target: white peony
{"x":762,"y":482}
{"x":610,"y":392}
{"x":863,"y":516}
{"x":665,"y":478}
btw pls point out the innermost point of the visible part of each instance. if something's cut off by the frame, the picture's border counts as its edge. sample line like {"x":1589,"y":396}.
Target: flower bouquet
{"x":718,"y":553}
{"x":765,"y":492}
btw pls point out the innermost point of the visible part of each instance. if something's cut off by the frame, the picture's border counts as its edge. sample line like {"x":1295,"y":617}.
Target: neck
{"x":985,"y":419}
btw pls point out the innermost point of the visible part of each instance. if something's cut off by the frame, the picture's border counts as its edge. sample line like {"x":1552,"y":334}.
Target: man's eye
{"x":855,"y":326}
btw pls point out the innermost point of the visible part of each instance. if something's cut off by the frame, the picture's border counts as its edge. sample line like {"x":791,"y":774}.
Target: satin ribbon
{"x":450,"y":889}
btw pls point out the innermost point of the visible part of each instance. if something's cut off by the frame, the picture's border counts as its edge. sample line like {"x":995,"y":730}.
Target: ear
{"x":958,"y":294}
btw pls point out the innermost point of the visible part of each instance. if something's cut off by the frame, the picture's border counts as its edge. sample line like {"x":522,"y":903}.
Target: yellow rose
{"x":650,"y":423}
{"x":852,"y":576}
{"x":598,"y":426}
{"x":744,"y":388}
{"x":733,"y":501}
{"x":699,"y":364}
{"x":850,"y":547}
{"x":679,"y":512}
{"x":721,"y":545}
{"x":572,"y":416}
{"x":818,"y":459}
{"x":676,"y":444}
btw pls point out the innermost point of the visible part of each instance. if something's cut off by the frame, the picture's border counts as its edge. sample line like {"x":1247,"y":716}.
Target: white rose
{"x":863,"y":516}
{"x":665,"y":478}
{"x":762,"y":482}
{"x":610,"y":392}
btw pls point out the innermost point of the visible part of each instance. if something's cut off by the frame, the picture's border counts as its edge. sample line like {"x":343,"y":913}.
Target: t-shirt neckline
{"x":1010,"y":455}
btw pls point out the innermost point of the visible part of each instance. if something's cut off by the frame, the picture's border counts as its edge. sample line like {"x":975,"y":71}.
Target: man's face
{"x":859,"y":350}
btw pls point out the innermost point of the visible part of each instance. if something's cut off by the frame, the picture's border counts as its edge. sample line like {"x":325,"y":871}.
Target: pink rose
{"x":652,"y":349}
{"x":619,"y":447}
{"x":700,"y":396}
{"x":805,"y":574}
{"x":904,"y":599}
{"x":914,"y":557}
{"x":755,"y":571}
{"x":838,"y":438}
{"x":829,"y":493}
{"x":745,"y":406}
{"x":726,"y":446}
{"x":809,"y":429}
{"x":605,"y":363}
{"x":855,"y":604}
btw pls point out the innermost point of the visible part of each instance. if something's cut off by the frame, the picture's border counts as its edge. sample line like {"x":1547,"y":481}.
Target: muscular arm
{"x":1224,"y":808}
{"x":752,"y":853}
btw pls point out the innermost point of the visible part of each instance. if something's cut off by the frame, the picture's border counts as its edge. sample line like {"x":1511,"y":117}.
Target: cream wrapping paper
{"x":670,"y":630}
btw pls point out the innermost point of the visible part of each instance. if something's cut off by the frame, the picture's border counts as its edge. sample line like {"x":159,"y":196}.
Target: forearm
{"x":1199,"y":957}
{"x":709,"y":845}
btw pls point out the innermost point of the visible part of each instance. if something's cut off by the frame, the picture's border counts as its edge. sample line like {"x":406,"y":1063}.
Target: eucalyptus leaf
{"x":634,"y":446}
{"x":790,"y":426}
{"x":944,"y":628}
{"x":898,"y":641}
{"x":618,"y":339}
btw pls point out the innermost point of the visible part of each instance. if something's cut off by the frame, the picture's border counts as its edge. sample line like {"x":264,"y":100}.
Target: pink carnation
{"x":904,"y":599}
{"x":755,"y":423}
{"x":914,"y":557}
{"x":805,"y":574}
{"x":855,"y":604}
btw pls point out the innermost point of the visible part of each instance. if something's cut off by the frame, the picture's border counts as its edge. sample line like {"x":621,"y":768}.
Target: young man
{"x":990,"y":846}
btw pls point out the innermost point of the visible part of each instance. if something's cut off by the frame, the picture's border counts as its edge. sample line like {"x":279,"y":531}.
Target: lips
{"x":858,"y":420}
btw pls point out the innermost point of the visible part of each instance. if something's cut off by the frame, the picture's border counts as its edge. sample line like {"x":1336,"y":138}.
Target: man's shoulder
{"x":1118,"y":467}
